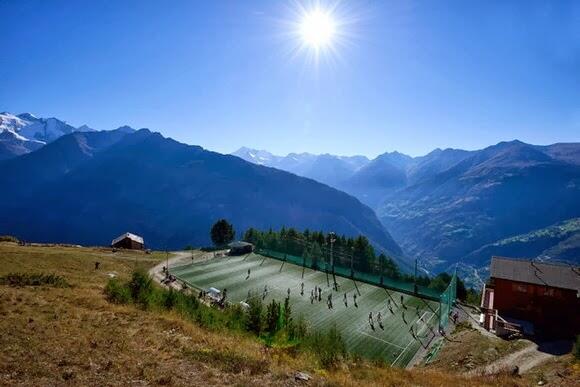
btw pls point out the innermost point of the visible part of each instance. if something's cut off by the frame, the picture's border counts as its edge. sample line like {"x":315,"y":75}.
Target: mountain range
{"x":89,"y":187}
{"x":449,"y":208}
{"x":326,"y":168}
{"x":451,"y":205}
{"x":24,"y":133}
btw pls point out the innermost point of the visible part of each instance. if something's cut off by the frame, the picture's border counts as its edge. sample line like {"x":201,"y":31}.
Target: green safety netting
{"x":346,"y":264}
{"x":345,"y":271}
{"x":447,"y":300}
{"x":321,"y":263}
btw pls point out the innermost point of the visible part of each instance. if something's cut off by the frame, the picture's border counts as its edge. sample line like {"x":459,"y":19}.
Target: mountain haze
{"x":456,"y":206}
{"x":325,"y":168}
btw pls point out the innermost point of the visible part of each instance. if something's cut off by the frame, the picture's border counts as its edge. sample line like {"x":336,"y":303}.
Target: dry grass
{"x":563,"y":371}
{"x":470,"y":349}
{"x":73,"y":336}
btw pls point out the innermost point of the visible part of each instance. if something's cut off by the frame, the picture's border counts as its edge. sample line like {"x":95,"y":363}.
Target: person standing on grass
{"x":319,"y":294}
{"x":345,"y":300}
{"x":354,"y":297}
{"x":302,"y":288}
{"x":288,"y":292}
{"x":97,"y":264}
{"x":248,"y":274}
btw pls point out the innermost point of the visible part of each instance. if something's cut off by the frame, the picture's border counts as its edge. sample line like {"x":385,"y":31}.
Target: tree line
{"x":317,"y":247}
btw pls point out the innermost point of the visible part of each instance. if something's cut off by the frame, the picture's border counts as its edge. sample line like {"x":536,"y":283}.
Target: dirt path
{"x":177,"y":258}
{"x":525,"y":359}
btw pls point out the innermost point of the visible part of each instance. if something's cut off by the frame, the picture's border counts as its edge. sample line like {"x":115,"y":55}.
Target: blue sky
{"x":406,"y":75}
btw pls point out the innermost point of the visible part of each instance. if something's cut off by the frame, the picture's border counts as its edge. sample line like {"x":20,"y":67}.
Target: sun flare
{"x":317,"y":28}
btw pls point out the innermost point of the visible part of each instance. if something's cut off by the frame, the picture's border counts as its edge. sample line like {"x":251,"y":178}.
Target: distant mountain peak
{"x":126,"y":129}
{"x":27,"y":116}
{"x":85,"y":128}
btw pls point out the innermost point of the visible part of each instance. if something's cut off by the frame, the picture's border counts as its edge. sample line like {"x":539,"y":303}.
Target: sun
{"x":318,"y":31}
{"x":317,"y":28}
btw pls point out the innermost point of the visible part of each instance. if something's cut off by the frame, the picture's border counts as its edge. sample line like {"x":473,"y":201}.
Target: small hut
{"x":240,"y":248}
{"x":128,"y":241}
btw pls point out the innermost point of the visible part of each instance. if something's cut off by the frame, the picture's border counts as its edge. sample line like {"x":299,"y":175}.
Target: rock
{"x":302,"y":376}
{"x":541,"y":383}
{"x":515,"y":370}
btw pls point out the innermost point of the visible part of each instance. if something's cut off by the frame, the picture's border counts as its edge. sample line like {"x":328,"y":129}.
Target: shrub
{"x":25,"y":279}
{"x":272,"y":317}
{"x":117,"y":292}
{"x":328,"y":347}
{"x":169,"y":298}
{"x":8,"y":238}
{"x":255,"y":316}
{"x":577,"y":348}
{"x":141,"y":288}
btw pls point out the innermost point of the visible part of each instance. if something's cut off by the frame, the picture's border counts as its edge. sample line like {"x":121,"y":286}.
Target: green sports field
{"x":393,"y":342}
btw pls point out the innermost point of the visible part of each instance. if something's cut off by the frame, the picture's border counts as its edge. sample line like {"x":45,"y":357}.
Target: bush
{"x":255,"y":316}
{"x":117,"y":292}
{"x":8,"y":238}
{"x":141,"y":288}
{"x":25,"y":279}
{"x":272,"y":317}
{"x":577,"y":348}
{"x":169,"y":298}
{"x":328,"y":347}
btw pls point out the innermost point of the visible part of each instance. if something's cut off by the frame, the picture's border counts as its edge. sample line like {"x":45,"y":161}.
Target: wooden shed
{"x":128,"y":241}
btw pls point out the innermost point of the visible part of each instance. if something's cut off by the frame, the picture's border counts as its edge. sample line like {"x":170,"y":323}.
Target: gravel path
{"x":525,"y":359}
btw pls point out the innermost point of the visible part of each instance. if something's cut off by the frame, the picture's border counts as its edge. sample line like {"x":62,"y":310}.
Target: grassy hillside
{"x":557,"y":242}
{"x":67,"y":331}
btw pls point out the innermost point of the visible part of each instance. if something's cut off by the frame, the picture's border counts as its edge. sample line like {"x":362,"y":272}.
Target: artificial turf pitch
{"x":393,"y":343}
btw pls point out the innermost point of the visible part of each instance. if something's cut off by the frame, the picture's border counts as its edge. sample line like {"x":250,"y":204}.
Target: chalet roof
{"x":540,"y":273}
{"x":133,"y":237}
{"x":239,"y":244}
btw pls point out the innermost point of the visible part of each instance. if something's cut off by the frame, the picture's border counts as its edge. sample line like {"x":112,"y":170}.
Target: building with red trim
{"x":531,"y":297}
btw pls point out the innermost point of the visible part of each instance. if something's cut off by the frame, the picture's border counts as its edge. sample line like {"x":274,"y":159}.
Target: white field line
{"x":383,"y":340}
{"x":398,"y":307}
{"x":411,"y":340}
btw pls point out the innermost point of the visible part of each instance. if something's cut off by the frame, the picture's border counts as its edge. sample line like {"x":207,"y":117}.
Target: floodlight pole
{"x":382,"y":269}
{"x":332,"y":240}
{"x":415,"y":277}
{"x":352,"y":262}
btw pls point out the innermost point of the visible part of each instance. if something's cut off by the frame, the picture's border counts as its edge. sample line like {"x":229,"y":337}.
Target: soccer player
{"x":302,"y":289}
{"x":288,"y":292}
{"x":345,"y":300}
{"x":354,"y":297}
{"x":248,"y":274}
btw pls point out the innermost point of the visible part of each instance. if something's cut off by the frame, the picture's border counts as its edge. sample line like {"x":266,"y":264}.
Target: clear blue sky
{"x":411,"y":76}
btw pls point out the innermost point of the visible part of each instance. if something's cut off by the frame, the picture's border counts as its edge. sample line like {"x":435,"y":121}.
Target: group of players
{"x":316,"y":295}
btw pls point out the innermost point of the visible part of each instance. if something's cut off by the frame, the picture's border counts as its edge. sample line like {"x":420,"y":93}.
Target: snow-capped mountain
{"x":23,"y":133}
{"x":260,"y":157}
{"x":326,"y":168}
